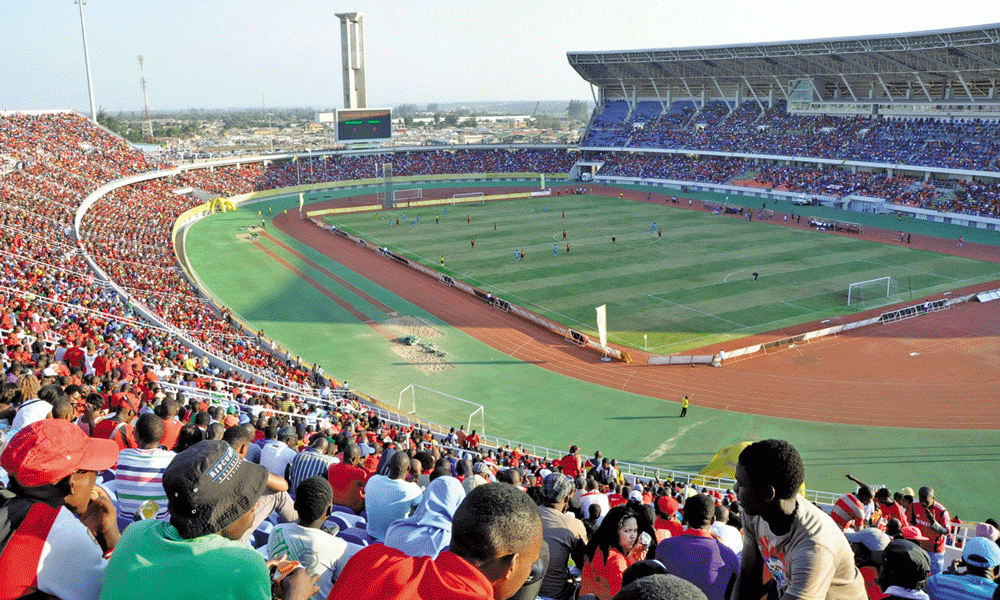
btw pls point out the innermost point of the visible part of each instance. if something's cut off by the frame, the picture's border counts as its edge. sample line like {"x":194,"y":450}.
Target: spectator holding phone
{"x":615,"y":546}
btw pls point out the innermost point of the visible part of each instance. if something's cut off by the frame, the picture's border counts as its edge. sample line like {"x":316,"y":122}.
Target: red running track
{"x":934,"y":371}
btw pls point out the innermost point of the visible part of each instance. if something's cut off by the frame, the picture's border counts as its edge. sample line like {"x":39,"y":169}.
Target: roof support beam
{"x":968,"y":92}
{"x":721,"y":94}
{"x":782,"y":89}
{"x":849,"y":90}
{"x":688,"y":88}
{"x":663,"y":107}
{"x":754,"y":94}
{"x":923,"y":86}
{"x":885,"y":88}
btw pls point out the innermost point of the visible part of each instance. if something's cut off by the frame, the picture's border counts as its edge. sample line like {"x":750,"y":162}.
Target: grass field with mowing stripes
{"x":690,"y":287}
{"x":528,"y":403}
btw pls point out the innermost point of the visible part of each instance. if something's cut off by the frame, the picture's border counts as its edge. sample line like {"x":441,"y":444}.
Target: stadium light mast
{"x":86,"y":59}
{"x":147,"y":120}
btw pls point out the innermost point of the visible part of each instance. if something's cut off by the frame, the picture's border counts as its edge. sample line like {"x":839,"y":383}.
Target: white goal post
{"x":861,"y":291}
{"x":407,"y":404}
{"x":406,"y":195}
{"x":467,"y":197}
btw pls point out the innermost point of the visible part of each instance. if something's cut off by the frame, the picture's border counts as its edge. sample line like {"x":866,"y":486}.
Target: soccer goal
{"x":468,"y":197}
{"x":863,"y":291}
{"x":407,"y":195}
{"x":438,"y":406}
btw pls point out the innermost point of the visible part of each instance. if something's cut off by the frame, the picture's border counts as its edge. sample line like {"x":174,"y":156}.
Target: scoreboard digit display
{"x":364,"y":124}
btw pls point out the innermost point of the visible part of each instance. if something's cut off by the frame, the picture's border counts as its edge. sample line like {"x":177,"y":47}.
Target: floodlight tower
{"x":352,"y":51}
{"x":86,"y":59}
{"x":147,"y":121}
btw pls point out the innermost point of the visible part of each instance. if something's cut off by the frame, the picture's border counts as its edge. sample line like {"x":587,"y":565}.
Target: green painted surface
{"x":527,"y":403}
{"x":688,"y":288}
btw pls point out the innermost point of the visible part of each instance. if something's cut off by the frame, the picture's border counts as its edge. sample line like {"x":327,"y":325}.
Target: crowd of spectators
{"x":673,"y":166}
{"x":126,"y":459}
{"x":969,"y":144}
{"x":245,"y":501}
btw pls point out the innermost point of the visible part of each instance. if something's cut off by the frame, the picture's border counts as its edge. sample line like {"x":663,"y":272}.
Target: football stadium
{"x":796,"y":240}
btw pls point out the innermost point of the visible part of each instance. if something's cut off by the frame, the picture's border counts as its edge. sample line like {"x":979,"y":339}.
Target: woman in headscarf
{"x":428,"y":530}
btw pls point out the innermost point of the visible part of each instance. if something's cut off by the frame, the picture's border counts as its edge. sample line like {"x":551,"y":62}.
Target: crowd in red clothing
{"x":75,"y":351}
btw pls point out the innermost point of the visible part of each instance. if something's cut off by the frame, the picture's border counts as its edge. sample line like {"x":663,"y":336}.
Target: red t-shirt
{"x":379,"y":571}
{"x":936,"y":541}
{"x":171,"y":429}
{"x":570,"y":465}
{"x":893,"y":511}
{"x":73,"y":356}
{"x":673,"y":526}
{"x":604,"y":578}
{"x":348,"y":484}
{"x":848,"y":511}
{"x":870,"y":575}
{"x":125,"y":436}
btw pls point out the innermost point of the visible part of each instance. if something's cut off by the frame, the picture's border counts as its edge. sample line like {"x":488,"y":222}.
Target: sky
{"x":248,"y":54}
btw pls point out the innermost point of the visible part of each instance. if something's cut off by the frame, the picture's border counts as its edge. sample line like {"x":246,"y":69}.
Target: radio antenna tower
{"x":147,"y":121}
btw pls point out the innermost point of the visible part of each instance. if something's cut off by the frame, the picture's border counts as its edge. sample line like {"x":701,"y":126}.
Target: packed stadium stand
{"x":100,"y":324}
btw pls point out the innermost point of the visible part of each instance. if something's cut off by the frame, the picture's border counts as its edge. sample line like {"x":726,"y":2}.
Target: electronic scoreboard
{"x":364,"y":124}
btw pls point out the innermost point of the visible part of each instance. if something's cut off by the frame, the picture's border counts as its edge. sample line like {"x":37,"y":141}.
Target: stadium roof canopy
{"x":957,"y":65}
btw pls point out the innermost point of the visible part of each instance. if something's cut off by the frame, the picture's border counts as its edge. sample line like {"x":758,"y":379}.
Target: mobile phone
{"x":644,"y":539}
{"x":148,"y":509}
{"x":283,"y":571}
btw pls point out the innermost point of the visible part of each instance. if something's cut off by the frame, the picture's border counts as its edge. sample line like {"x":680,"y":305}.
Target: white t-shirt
{"x":275,"y":456}
{"x":813,"y":561}
{"x":387,"y":500}
{"x":730,"y":537}
{"x":317,"y":551}
{"x":597,"y":498}
{"x":72,"y":564}
{"x":30,"y":411}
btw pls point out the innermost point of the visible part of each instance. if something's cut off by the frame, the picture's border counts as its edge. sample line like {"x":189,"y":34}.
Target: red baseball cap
{"x":668,"y":504}
{"x":912,"y":532}
{"x":46,"y":451}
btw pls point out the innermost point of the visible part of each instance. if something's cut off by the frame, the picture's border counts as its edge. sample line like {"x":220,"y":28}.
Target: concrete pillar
{"x":352,"y":52}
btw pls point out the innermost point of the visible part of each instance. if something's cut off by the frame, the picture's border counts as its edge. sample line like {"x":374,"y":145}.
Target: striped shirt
{"x":848,"y":511}
{"x":306,"y":464}
{"x":139,"y":477}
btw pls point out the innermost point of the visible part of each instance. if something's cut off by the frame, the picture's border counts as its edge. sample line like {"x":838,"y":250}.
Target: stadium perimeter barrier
{"x":890,"y":316}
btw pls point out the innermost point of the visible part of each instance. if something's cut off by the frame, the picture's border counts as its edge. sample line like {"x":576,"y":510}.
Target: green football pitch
{"x":672,"y":278}
{"x":528,"y":403}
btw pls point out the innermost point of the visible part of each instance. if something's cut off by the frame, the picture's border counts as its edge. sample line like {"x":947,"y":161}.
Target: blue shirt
{"x":952,"y":586}
{"x":701,"y":559}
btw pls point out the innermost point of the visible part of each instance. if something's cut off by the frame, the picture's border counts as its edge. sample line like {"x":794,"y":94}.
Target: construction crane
{"x":147,"y":121}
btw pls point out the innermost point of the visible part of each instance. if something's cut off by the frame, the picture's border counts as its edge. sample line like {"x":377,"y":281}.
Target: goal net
{"x":445,"y":409}
{"x":407,"y":195}
{"x":468,"y":197}
{"x":865,"y":291}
